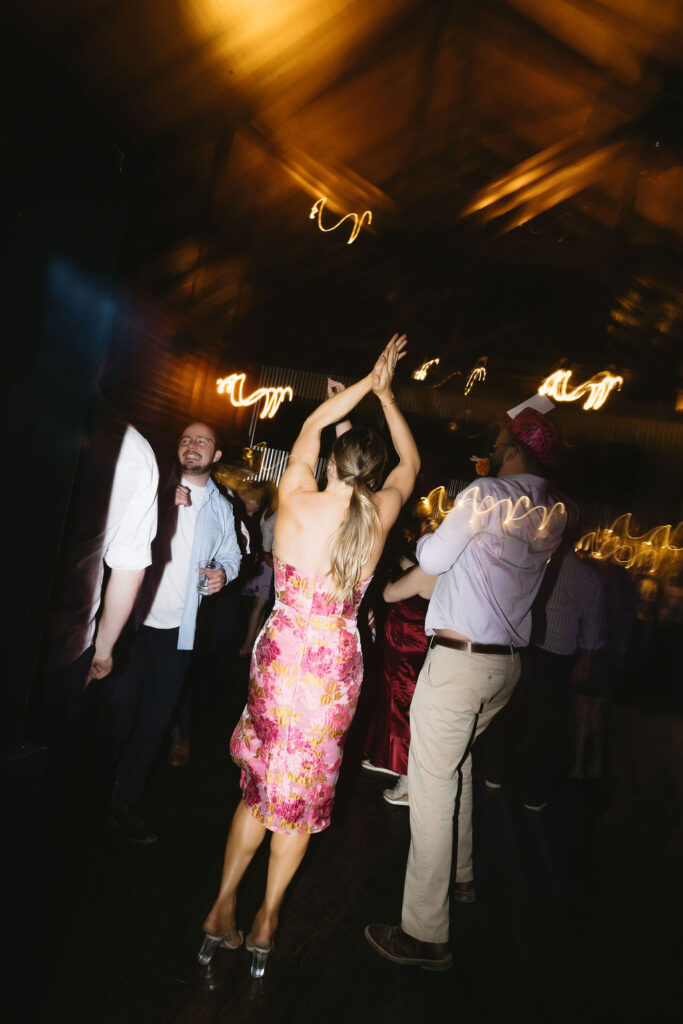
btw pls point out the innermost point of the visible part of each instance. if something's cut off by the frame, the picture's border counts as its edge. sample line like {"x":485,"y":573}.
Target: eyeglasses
{"x":201,"y":442}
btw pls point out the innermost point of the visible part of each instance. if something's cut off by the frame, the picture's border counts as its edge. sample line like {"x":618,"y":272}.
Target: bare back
{"x":308,"y":519}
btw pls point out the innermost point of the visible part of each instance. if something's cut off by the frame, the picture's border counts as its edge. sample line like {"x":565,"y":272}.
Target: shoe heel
{"x":209,"y":947}
{"x":258,"y":962}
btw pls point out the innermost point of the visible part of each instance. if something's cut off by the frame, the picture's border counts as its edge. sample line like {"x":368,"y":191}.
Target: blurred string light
{"x":478,"y":372}
{"x":423,"y":370}
{"x":434,"y":507}
{"x":513,"y":512}
{"x":358,"y":222}
{"x":649,"y":551}
{"x":598,"y":388}
{"x":437,"y":505}
{"x":253,"y":457}
{"x":272,"y":397}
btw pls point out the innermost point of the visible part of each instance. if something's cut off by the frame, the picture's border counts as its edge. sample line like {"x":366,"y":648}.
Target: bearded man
{"x":490,"y":554}
{"x":139,"y":704}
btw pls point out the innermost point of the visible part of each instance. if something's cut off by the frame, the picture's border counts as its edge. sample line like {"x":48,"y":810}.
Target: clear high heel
{"x":260,"y":956}
{"x":211,"y":943}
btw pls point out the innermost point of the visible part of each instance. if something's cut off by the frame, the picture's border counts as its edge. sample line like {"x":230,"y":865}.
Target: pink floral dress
{"x":306,"y":674}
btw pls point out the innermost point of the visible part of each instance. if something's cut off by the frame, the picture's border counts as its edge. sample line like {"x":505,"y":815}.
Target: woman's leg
{"x":245,"y":836}
{"x":286,"y":854}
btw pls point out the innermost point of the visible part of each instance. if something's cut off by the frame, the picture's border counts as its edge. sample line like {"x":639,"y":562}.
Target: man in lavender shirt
{"x":490,"y":554}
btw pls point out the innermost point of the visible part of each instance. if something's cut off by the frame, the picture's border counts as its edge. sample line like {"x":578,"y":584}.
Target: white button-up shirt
{"x":490,"y":554}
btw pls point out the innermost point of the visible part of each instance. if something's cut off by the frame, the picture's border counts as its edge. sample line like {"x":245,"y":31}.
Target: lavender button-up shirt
{"x":490,"y":554}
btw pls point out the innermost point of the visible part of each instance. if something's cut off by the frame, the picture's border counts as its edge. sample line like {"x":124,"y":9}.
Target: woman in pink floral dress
{"x":307,"y":668}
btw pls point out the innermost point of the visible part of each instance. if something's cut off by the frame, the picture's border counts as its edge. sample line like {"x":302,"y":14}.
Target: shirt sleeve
{"x":437,"y":552}
{"x":230,"y":555}
{"x":135,"y":486}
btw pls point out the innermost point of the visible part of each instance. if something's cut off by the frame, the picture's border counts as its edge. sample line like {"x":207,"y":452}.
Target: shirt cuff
{"x":128,"y":559}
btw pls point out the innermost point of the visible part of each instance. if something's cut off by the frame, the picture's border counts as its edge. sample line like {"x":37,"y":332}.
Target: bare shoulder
{"x":298,"y":478}
{"x":388,"y":503}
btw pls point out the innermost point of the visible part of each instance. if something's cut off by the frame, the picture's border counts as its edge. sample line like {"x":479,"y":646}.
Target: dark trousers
{"x":64,"y":705}
{"x":218,"y":622}
{"x":532,"y":731}
{"x":64,"y":716}
{"x":137,"y":707}
{"x":548,"y":709}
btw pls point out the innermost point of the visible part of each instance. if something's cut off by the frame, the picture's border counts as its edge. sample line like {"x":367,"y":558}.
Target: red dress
{"x":404,"y":649}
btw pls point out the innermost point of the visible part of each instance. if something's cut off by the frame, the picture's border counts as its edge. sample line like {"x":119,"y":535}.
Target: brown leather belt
{"x":465,"y":645}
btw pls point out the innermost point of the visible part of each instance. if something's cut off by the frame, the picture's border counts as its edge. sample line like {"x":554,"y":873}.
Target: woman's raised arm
{"x":306,"y":448}
{"x":398,"y":486}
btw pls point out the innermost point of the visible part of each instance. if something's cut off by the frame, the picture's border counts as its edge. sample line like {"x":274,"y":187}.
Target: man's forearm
{"x":119,"y":598}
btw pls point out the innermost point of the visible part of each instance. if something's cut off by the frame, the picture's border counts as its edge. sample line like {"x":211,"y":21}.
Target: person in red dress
{"x":404,"y":648}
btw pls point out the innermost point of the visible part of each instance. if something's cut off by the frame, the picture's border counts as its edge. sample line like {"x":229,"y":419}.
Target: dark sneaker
{"x":391,"y":942}
{"x":133,"y":825}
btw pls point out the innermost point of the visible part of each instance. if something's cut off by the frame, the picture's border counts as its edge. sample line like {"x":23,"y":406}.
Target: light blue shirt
{"x":490,"y":553}
{"x":214,"y":537}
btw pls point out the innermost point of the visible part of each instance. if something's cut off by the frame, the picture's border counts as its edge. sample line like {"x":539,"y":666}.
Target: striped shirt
{"x":575,"y":611}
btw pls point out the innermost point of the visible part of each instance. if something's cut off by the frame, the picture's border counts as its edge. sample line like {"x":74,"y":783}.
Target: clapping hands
{"x":383,"y":370}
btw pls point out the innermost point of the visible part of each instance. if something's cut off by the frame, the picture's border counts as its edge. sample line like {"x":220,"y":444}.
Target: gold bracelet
{"x":386,"y":406}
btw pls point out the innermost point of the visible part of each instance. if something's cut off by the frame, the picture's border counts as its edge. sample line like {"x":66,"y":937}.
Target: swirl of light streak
{"x":478,"y":372}
{"x":435,"y":506}
{"x":423,"y":370}
{"x":616,"y":543}
{"x":249,"y":455}
{"x":598,"y":388}
{"x":272,"y":397}
{"x":514,"y":512}
{"x":358,"y":222}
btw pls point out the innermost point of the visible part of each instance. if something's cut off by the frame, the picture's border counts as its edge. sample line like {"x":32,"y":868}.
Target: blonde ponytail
{"x":359,"y":456}
{"x":351,"y":546}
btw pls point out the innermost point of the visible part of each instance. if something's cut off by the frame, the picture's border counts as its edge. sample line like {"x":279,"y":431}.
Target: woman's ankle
{"x":221,"y":918}
{"x":263,"y":929}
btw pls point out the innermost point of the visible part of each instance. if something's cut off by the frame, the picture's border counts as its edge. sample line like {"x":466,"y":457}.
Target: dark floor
{"x":577,"y":916}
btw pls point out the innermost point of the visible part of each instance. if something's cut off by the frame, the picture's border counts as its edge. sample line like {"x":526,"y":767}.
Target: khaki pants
{"x":457,"y":696}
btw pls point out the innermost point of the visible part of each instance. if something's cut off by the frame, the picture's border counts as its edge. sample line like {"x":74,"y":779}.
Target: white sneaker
{"x":492,"y":785}
{"x":367,"y":763}
{"x":536,"y":807}
{"x":397,"y":795}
